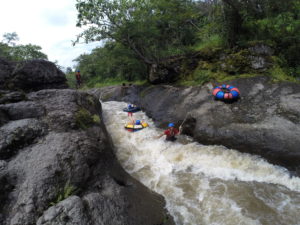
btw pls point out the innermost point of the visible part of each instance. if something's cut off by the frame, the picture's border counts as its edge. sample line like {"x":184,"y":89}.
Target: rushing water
{"x":204,"y":184}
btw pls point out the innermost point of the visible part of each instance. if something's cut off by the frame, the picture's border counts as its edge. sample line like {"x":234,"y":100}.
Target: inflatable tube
{"x":133,"y":109}
{"x":135,"y":127}
{"x":226,"y":92}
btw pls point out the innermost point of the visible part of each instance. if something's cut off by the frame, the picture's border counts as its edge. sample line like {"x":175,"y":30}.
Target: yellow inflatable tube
{"x":135,"y":127}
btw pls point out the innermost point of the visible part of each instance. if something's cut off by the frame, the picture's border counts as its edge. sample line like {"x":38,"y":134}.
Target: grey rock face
{"x":52,"y":157}
{"x":22,"y":110}
{"x":6,"y":69}
{"x":31,"y":75}
{"x":264,"y":121}
{"x":11,"y":97}
{"x":17,"y":134}
{"x":57,"y":164}
{"x":69,"y":212}
{"x":261,"y":49}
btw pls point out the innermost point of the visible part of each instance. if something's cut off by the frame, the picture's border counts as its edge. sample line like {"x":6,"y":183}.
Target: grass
{"x":64,"y":193}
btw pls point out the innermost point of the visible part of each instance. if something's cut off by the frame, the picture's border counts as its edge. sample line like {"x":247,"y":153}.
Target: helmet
{"x":171,"y":125}
{"x":78,"y":71}
{"x":138,"y":122}
{"x":129,"y":106}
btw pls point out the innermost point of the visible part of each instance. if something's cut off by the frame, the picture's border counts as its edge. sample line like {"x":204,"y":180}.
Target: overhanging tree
{"x":151,"y":29}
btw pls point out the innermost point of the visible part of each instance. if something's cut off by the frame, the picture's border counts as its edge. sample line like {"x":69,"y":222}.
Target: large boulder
{"x":31,"y":75}
{"x":264,"y":121}
{"x":57,"y":166}
{"x":6,"y":68}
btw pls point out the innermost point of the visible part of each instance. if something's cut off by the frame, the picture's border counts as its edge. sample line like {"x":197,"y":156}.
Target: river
{"x":204,"y":184}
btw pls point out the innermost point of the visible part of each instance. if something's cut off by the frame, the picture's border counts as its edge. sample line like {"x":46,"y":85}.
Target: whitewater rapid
{"x":204,"y":184}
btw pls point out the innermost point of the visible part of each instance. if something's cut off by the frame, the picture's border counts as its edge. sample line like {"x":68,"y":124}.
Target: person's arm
{"x":180,"y":130}
{"x":160,"y":135}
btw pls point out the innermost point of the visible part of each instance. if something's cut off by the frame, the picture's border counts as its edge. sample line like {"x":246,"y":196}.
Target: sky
{"x":51,"y":24}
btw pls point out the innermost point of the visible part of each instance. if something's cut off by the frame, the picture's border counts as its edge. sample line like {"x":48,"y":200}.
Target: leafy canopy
{"x":151,"y":29}
{"x":10,"y":50}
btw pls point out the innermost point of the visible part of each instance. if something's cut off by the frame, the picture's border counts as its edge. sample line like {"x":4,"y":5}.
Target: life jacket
{"x":78,"y":76}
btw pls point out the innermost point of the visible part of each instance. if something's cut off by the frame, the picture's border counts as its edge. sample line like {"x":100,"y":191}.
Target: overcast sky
{"x":50,"y":24}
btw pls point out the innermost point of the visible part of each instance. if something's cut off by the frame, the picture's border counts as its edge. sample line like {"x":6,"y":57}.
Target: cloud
{"x":53,"y":18}
{"x":66,"y":53}
{"x":49,"y":24}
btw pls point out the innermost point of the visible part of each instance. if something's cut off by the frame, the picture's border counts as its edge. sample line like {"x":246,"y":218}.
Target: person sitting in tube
{"x":133,"y":121}
{"x":171,"y":132}
{"x":130,"y":106}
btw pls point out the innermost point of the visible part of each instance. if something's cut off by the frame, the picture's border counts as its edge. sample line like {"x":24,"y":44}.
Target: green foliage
{"x":83,"y":119}
{"x":14,"y":52}
{"x":137,"y":34}
{"x":64,"y":193}
{"x":111,"y":62}
{"x":214,"y":41}
{"x":199,"y":76}
{"x":26,"y":52}
{"x":5,"y":51}
{"x":151,"y":29}
{"x":71,"y":80}
{"x":96,"y":119}
{"x":10,"y":38}
{"x":278,"y":74}
{"x":237,"y":63}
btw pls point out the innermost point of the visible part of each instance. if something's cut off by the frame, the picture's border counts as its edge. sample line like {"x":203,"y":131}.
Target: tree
{"x":152,"y":30}
{"x":112,"y":61}
{"x":69,"y":70}
{"x":10,"y":38}
{"x":26,"y":52}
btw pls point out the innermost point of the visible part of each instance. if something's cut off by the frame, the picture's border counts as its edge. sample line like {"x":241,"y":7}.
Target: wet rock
{"x":53,"y":155}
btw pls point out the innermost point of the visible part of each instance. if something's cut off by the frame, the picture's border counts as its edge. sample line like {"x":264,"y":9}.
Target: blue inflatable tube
{"x":131,"y":109}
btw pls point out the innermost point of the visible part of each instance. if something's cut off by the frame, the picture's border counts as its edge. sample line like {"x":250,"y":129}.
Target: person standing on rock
{"x":171,"y":132}
{"x":78,"y":78}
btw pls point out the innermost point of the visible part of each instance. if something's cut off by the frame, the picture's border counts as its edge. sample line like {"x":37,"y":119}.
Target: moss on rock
{"x":96,"y":119}
{"x":83,"y":119}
